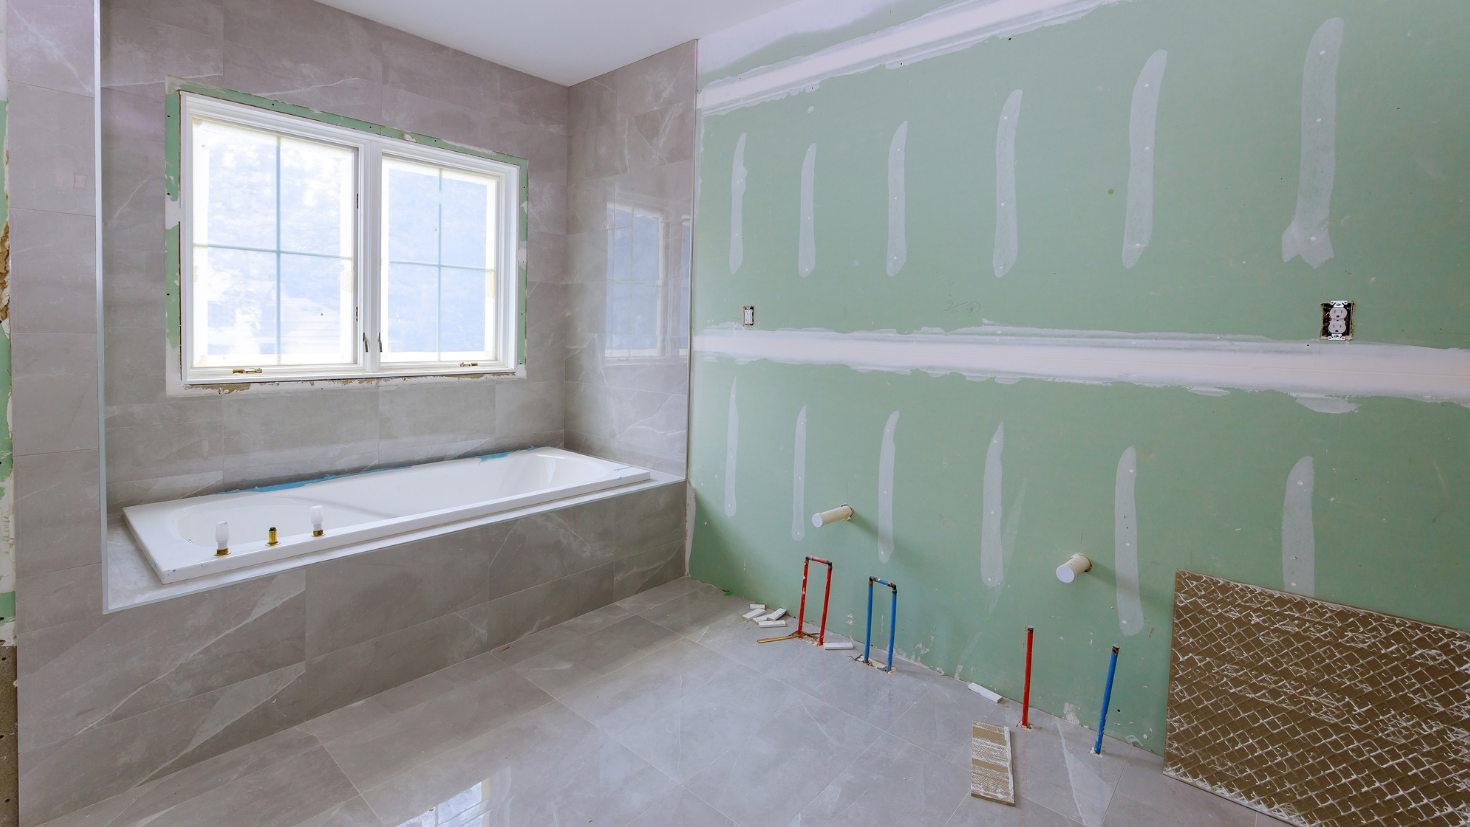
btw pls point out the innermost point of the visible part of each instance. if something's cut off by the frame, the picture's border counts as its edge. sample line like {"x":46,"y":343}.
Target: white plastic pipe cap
{"x":316,"y":518}
{"x":222,"y":534}
{"x":841,"y":512}
{"x":1068,"y":571}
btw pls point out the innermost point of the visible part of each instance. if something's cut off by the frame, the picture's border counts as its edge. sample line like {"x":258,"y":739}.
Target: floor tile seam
{"x":1059,"y":814}
{"x":672,"y":599}
{"x":406,"y":710}
{"x":457,"y":688}
{"x":959,"y":802}
{"x":615,"y":739}
{"x":600,"y":675}
{"x":356,"y":793}
{"x":363,"y":792}
{"x":685,"y":786}
{"x":319,"y":744}
{"x":568,"y":642}
{"x":631,"y":664}
{"x":836,"y":775}
{"x":242,"y":778}
{"x":763,"y":673}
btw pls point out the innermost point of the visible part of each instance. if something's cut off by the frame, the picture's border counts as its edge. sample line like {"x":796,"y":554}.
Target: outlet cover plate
{"x":1337,"y":321}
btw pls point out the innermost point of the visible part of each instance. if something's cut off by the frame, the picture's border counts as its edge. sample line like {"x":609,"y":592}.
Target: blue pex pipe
{"x":892,"y":618}
{"x":1107,"y":698}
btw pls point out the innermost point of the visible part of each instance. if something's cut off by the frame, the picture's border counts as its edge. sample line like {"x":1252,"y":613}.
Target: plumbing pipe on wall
{"x":841,"y":512}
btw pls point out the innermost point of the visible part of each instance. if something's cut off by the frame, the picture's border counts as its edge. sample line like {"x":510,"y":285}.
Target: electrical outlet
{"x":749,"y":315}
{"x":1337,"y":321}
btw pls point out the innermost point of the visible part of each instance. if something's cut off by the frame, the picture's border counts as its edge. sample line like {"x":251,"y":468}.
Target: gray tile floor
{"x":663,"y":711}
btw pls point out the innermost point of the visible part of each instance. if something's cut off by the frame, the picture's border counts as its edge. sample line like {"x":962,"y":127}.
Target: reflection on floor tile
{"x":659,"y":711}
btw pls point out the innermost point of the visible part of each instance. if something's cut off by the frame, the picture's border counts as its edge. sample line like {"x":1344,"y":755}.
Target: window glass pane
{"x":411,"y":214}
{"x":238,"y":291}
{"x":411,"y":310}
{"x":463,"y":310}
{"x":468,"y":221}
{"x":440,"y":244}
{"x":317,"y":191}
{"x":316,"y":309}
{"x":239,"y":197}
{"x":273,"y":235}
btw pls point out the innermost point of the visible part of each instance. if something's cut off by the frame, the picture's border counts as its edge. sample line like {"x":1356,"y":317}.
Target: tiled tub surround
{"x":632,"y":150}
{"x":661,"y":710}
{"x":110,"y":701}
{"x":200,"y":536}
{"x":131,"y":580}
{"x":305,"y":53}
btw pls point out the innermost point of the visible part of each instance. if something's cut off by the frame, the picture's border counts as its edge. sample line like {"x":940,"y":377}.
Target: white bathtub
{"x":178,"y":537}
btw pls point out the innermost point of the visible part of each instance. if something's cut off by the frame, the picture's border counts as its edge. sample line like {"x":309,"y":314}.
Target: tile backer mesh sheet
{"x":1314,"y":712}
{"x":990,"y":763}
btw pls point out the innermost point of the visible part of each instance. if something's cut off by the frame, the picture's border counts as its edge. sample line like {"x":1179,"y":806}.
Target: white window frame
{"x":370,"y":149}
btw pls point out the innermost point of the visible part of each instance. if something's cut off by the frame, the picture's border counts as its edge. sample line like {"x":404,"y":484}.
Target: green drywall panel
{"x":1391,"y":478}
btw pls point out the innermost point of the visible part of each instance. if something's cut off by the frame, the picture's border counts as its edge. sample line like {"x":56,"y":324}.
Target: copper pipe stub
{"x":273,"y":541}
{"x":318,"y":533}
{"x":222,"y":552}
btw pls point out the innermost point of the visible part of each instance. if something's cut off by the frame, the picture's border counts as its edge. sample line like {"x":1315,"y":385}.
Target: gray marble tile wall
{"x":112,"y":701}
{"x":302,"y":52}
{"x":632,"y":150}
{"x":109,"y":701}
{"x":50,"y":189}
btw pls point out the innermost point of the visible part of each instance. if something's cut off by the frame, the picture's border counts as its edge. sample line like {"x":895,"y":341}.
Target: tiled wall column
{"x":632,"y":151}
{"x":50,"y":183}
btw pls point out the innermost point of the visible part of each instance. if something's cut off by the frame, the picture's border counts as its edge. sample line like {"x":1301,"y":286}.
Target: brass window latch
{"x":469,"y":364}
{"x":248,"y":370}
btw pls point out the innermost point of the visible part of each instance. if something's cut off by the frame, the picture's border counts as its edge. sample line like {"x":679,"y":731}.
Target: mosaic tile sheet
{"x":1314,"y":712}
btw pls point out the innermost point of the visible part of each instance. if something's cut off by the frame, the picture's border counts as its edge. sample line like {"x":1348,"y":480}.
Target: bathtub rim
{"x":159,"y":516}
{"x":130,"y":581}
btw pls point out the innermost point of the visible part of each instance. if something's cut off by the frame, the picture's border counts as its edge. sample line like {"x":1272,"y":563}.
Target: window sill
{"x":261,"y":383}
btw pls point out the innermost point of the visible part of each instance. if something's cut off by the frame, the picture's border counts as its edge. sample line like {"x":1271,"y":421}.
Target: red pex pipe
{"x":1026,"y":693}
{"x":822,"y":633}
{"x":822,"y":636}
{"x":801,"y":612}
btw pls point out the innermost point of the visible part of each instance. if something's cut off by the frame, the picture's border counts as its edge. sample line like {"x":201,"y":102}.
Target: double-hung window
{"x":312,"y":250}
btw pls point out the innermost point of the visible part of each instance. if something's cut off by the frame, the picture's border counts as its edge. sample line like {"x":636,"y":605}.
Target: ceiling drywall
{"x":565,"y":41}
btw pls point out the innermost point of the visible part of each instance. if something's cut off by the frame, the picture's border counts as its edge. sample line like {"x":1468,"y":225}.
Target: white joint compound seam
{"x":1102,"y":357}
{"x":737,"y":206}
{"x":798,"y":479}
{"x":886,"y":458}
{"x":1138,"y":226}
{"x":940,"y":32}
{"x":898,"y":249}
{"x":1007,"y":244}
{"x":1307,"y":235}
{"x":992,"y":566}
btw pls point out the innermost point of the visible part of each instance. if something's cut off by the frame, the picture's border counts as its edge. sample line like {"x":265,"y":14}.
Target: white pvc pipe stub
{"x":1068,"y":571}
{"x":841,"y":512}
